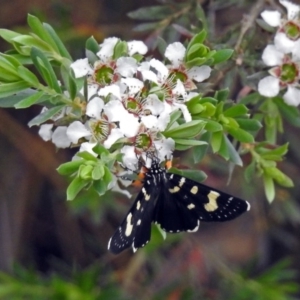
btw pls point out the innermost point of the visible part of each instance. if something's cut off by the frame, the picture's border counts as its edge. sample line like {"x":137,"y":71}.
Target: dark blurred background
{"x":53,"y":249}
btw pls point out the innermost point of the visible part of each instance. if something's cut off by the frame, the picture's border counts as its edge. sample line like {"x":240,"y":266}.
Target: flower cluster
{"x":283,"y":56}
{"x":127,"y":98}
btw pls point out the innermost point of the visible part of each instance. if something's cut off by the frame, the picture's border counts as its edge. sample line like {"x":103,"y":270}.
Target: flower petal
{"x":126,"y":66}
{"x":130,"y":159}
{"x":94,"y":108}
{"x":110,"y":89}
{"x":114,"y":135}
{"x":81,"y":67}
{"x":269,"y":86}
{"x":162,"y":70}
{"x":45,"y":131}
{"x":77,"y":130}
{"x":283,"y":43}
{"x":165,"y":148}
{"x":199,"y":74}
{"x":137,"y":47}
{"x":175,"y":53}
{"x":272,"y":56}
{"x":60,"y":138}
{"x":292,"y":9}
{"x":271,"y":17}
{"x":292,"y":96}
{"x":134,"y":85}
{"x":88,"y":147}
{"x":107,"y":48}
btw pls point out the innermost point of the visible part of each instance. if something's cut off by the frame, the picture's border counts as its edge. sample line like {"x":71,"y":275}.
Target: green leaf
{"x":200,"y":151}
{"x":28,"y":76}
{"x":87,"y":156}
{"x":32,"y":41}
{"x":240,"y":135}
{"x":249,"y":124}
{"x":216,"y":140}
{"x":8,"y":89}
{"x":92,"y":45}
{"x":59,"y":44}
{"x":75,"y":187}
{"x":70,"y":167}
{"x":196,"y":175}
{"x":184,"y":144}
{"x":43,"y":117}
{"x":235,"y":111}
{"x":27,"y":102}
{"x":186,"y":130}
{"x":197,"y":39}
{"x":98,"y":172}
{"x":250,"y":171}
{"x":38,"y":28}
{"x":269,"y":188}
{"x":222,"y":55}
{"x":121,"y":49}
{"x":175,"y":115}
{"x":279,"y":177}
{"x":233,"y":155}
{"x":8,"y":35}
{"x":44,"y":67}
{"x":252,"y":98}
{"x":223,"y":150}
{"x":10,"y":101}
{"x":222,"y":95}
{"x":213,"y":126}
{"x":290,"y":113}
{"x":155,"y":12}
{"x":99,"y":149}
{"x":146,"y":27}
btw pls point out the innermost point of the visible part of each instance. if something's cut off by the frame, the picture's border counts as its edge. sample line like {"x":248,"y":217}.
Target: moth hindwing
{"x":177,"y":204}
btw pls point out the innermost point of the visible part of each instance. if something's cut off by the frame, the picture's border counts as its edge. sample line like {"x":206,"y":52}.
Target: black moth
{"x":175,"y":203}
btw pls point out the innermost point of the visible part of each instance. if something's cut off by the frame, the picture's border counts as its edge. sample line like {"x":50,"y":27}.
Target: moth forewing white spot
{"x":212,"y":205}
{"x":147,"y":196}
{"x":108,"y":246}
{"x":138,"y":205}
{"x":181,"y":182}
{"x":248,"y":206}
{"x":139,"y":222}
{"x":174,"y":190}
{"x":196,"y":228}
{"x":171,"y":176}
{"x":129,"y":225}
{"x":194,"y":190}
{"x":191,"y":206}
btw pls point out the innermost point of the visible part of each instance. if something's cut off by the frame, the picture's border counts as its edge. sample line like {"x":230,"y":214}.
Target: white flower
{"x":165,"y":148}
{"x":272,"y":56}
{"x":88,"y":147}
{"x":285,"y":38}
{"x":269,"y":86}
{"x":45,"y":132}
{"x":137,"y":47}
{"x":77,"y":130}
{"x":81,"y":67}
{"x":60,"y":138}
{"x":175,"y":54}
{"x":107,"y":49}
{"x":95,"y":107}
{"x":130,"y":159}
{"x":126,"y":66}
{"x":292,"y":96}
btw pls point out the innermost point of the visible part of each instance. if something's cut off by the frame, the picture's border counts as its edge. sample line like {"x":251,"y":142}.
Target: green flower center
{"x":178,"y":75}
{"x":100,"y":129}
{"x":143,"y":141}
{"x":288,"y":73}
{"x":103,"y":75}
{"x":292,"y":30}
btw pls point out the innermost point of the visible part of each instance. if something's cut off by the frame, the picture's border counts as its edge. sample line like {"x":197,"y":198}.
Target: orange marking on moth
{"x":140,"y":178}
{"x":168,"y":164}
